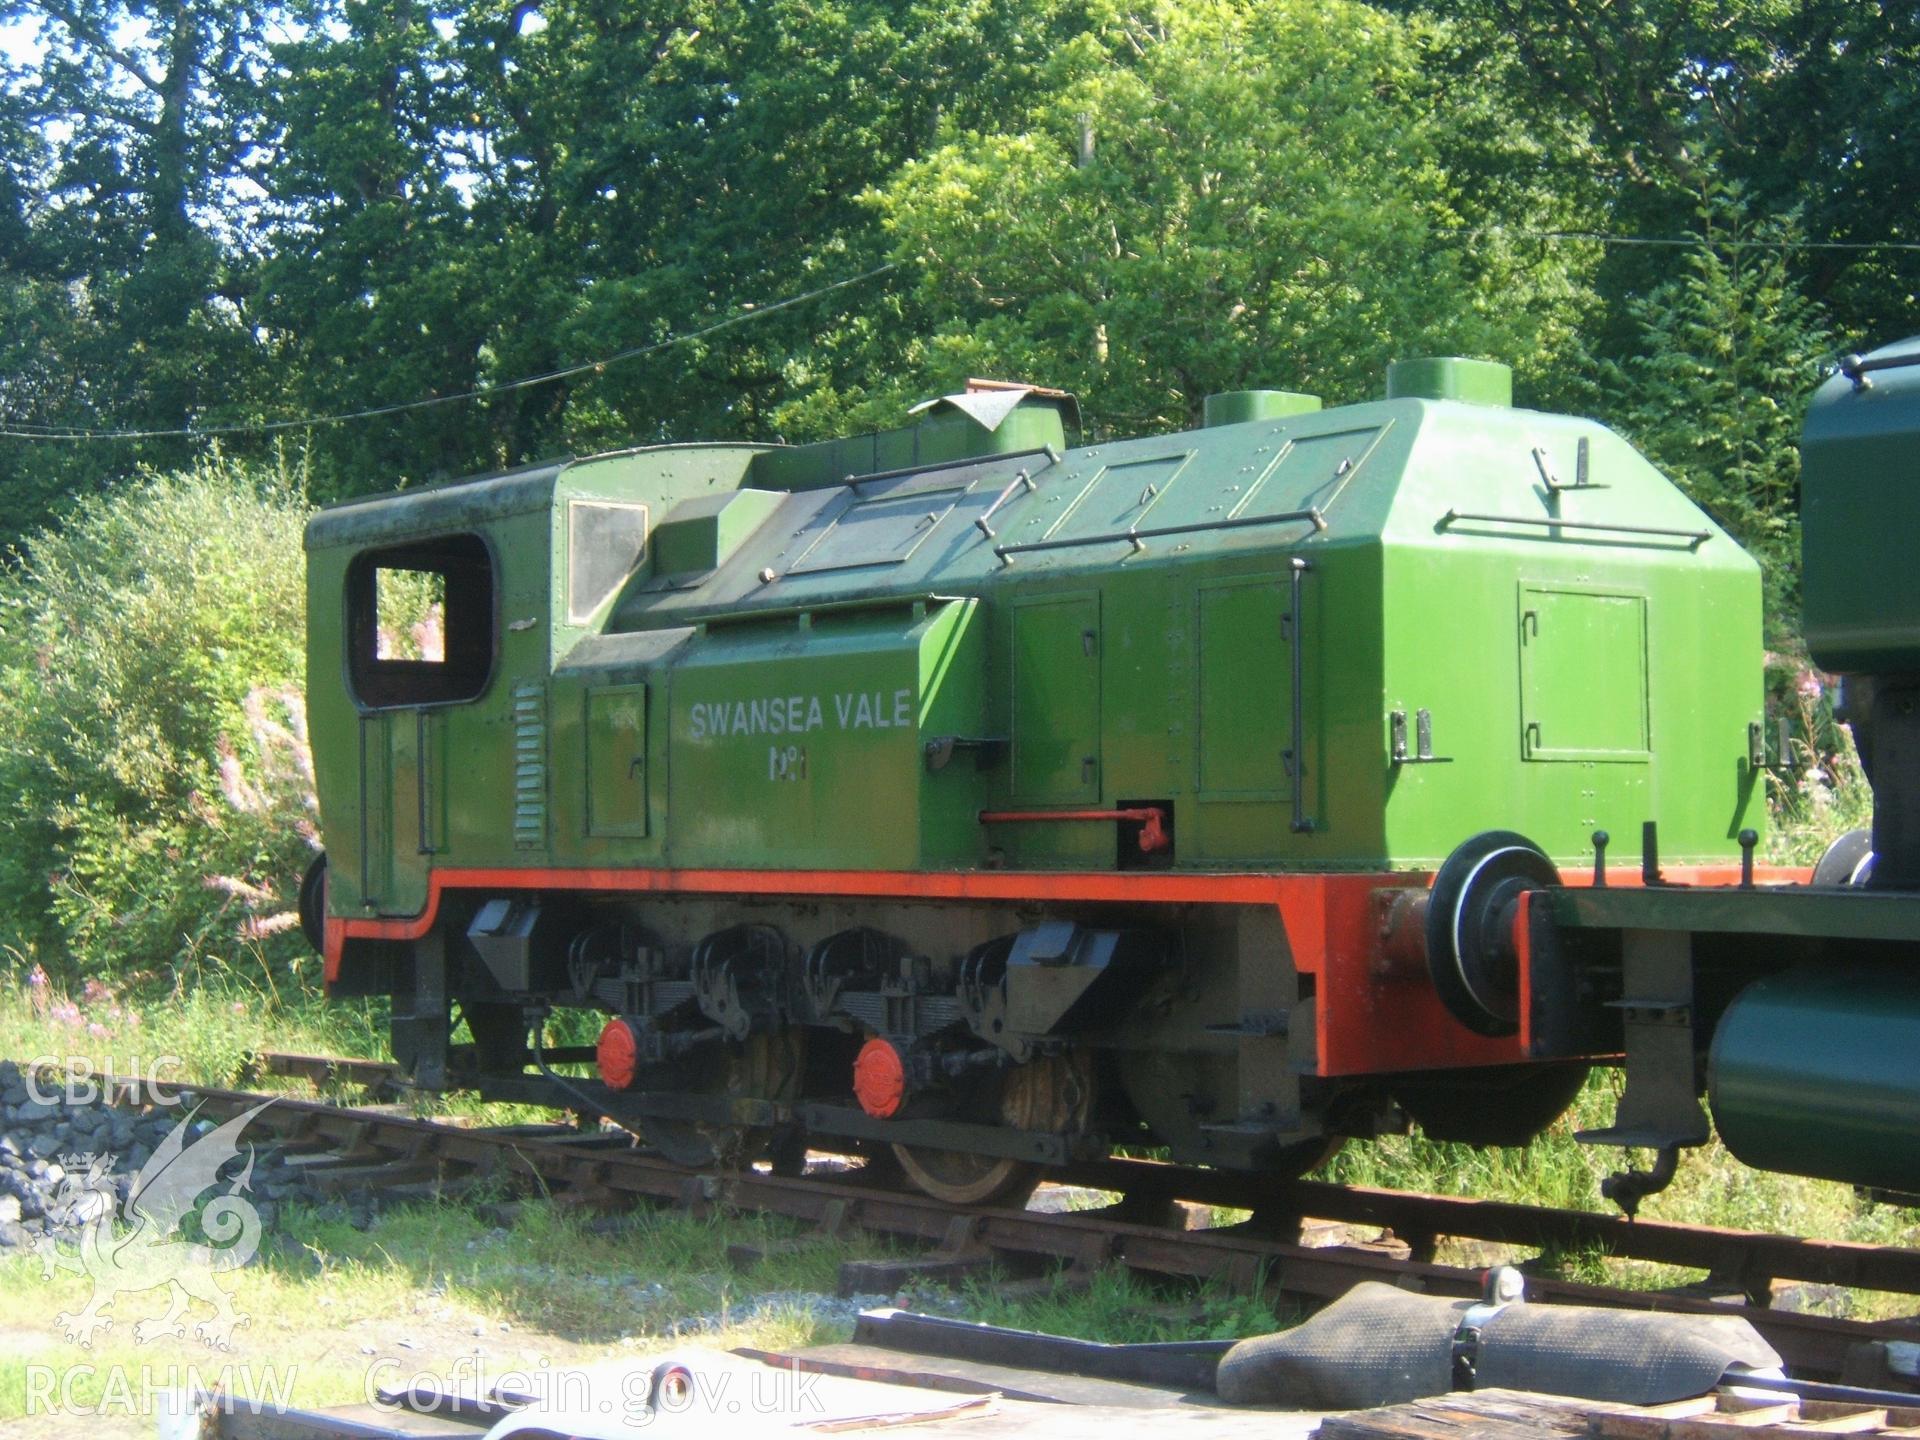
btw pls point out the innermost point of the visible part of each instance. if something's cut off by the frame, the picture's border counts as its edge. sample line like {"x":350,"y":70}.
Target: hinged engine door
{"x":1056,"y":700}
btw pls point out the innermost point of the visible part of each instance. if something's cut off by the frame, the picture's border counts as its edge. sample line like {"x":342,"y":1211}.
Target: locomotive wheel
{"x":1847,"y":861}
{"x":762,"y":1067}
{"x":313,"y":904}
{"x":1053,"y":1094}
{"x":1507,"y":1105}
{"x":960,"y":1177}
{"x":1468,"y":955}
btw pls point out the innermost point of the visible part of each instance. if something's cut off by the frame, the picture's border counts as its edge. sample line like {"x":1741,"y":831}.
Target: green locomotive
{"x":961,"y":795}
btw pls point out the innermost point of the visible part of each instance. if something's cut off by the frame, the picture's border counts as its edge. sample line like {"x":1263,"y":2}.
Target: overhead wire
{"x":1688,"y":242}
{"x":24,"y":430}
{"x":28,"y":430}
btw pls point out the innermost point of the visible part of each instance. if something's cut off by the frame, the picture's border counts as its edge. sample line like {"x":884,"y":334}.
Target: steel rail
{"x":1729,"y":1256}
{"x":1752,"y":1257}
{"x":598,"y":1169}
{"x":327,"y":1069}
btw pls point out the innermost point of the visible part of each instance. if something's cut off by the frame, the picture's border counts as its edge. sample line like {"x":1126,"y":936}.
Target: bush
{"x":157,"y":785}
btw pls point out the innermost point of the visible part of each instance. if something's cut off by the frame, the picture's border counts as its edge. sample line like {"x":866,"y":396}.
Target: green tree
{"x":1828,"y":138}
{"x":1228,"y":195}
{"x":1729,"y":351}
{"x":486,"y":191}
{"x":1802,"y":102}
{"x":123,"y":290}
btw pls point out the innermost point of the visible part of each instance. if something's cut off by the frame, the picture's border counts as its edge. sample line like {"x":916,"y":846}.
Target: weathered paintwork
{"x":1859,"y":510}
{"x":1574,"y":677}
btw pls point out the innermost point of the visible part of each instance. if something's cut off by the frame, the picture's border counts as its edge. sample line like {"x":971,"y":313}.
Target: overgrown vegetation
{"x":205,"y":1031}
{"x":156,"y":805}
{"x":1823,"y":792}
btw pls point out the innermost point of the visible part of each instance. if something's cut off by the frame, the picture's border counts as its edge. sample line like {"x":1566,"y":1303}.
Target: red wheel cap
{"x":618,"y":1054}
{"x":879,"y":1078}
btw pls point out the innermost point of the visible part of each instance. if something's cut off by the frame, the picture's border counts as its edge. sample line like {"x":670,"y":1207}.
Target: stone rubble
{"x":48,"y":1139}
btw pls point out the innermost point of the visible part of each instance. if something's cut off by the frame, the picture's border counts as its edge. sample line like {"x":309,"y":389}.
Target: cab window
{"x":421,"y":622}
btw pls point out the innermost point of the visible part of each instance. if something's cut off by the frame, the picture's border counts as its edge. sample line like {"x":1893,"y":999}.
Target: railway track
{"x":1144,"y":1229}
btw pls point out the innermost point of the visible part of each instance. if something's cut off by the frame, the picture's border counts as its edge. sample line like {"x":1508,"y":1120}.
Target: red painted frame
{"x":1370,"y":1022}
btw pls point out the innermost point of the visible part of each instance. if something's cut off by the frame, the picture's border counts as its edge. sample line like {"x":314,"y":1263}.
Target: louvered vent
{"x":529,"y":766}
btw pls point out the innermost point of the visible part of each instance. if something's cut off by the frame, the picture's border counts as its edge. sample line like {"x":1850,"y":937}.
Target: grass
{"x":1824,"y":793}
{"x":429,"y":1284}
{"x":201,"y":1033}
{"x":424,"y":1285}
{"x":208,"y":1034}
{"x":1120,"y":1307}
{"x":1711,"y":1188}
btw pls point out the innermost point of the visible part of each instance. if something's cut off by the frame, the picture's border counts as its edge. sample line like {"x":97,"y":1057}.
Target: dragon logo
{"x":147,"y":1252}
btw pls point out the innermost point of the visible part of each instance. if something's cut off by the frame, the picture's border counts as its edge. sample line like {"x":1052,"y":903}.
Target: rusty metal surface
{"x":583,"y":1166}
{"x":1737,"y":1256}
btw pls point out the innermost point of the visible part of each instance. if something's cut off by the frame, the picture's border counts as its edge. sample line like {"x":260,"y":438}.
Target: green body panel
{"x":821,"y":730}
{"x":1812,"y":1072}
{"x":1859,"y":512}
{"x":1583,"y":673}
{"x":1477,"y":382}
{"x":1124,"y":634}
{"x":614,"y":734}
{"x":700,"y":533}
{"x":945,"y":435}
{"x":1241,"y":690}
{"x":1054,"y":675}
{"x":1243,"y":407}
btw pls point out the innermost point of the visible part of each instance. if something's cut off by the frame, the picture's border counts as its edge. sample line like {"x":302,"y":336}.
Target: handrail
{"x":1693,"y":537}
{"x":1857,"y":367}
{"x":824,"y":607}
{"x":421,"y":737}
{"x":1296,"y":753}
{"x":1021,"y":479}
{"x":1152,"y":820}
{"x":366,"y":858}
{"x":1137,"y":538}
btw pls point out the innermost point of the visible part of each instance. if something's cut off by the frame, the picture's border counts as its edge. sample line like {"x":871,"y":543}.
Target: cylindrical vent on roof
{"x":1478,"y":382}
{"x":1237,"y":407}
